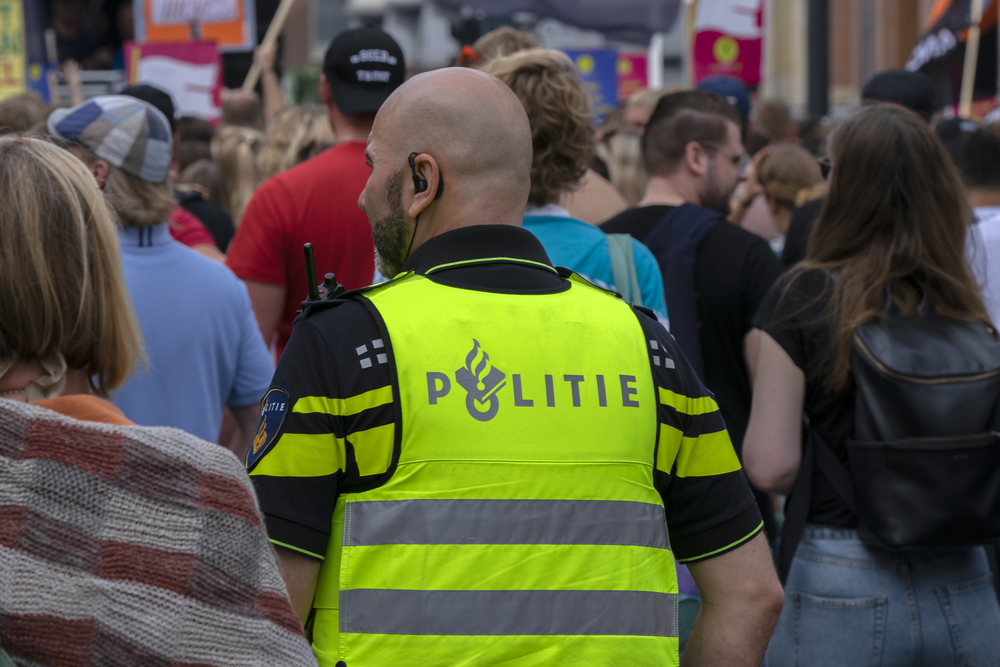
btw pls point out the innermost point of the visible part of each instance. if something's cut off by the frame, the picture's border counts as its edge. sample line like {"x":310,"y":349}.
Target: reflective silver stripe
{"x":406,"y":612}
{"x":601,"y":522}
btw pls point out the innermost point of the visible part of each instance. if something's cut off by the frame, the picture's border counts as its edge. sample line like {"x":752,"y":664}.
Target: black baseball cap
{"x":912,"y":90}
{"x":363,"y":67}
{"x":733,"y":90}
{"x":156,"y":97}
{"x":955,"y":129}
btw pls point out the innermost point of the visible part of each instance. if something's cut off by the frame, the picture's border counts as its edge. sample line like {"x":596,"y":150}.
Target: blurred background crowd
{"x":649,"y":118}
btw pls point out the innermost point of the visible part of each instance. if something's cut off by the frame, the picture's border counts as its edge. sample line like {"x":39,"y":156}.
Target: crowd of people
{"x":662,"y":324}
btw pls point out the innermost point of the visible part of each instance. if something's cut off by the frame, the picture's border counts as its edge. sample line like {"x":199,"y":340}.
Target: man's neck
{"x":981,"y":198}
{"x":349,"y":128}
{"x":668,"y":191}
{"x":470,"y":213}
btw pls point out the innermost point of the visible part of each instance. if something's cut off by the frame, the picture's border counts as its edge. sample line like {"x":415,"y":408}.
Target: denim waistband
{"x":844,"y":543}
{"x":816,"y":531}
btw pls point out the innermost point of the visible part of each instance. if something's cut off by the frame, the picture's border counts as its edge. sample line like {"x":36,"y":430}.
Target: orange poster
{"x":228,"y":23}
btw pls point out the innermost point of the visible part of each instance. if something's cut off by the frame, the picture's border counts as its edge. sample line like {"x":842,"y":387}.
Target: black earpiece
{"x":419,"y":184}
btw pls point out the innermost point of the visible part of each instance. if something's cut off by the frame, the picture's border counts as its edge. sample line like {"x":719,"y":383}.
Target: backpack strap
{"x":675,"y":242}
{"x":796,"y":510}
{"x":816,"y":453}
{"x":623,"y":267}
{"x":836,"y":472}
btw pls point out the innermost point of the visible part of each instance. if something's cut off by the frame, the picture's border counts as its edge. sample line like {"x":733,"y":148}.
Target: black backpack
{"x":925,"y":454}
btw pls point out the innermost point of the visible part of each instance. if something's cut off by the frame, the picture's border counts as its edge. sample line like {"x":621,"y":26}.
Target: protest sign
{"x":229,"y":23}
{"x":728,"y":40}
{"x":597,"y":70}
{"x":191,"y":73}
{"x":12,"y":56}
{"x":632,"y":74}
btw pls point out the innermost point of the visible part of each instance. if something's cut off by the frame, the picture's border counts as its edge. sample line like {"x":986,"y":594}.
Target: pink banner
{"x":632,"y":74}
{"x":728,"y":40}
{"x":191,"y":72}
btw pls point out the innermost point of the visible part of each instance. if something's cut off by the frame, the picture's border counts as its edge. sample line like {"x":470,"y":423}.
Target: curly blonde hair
{"x":297,"y":134}
{"x":504,"y":41}
{"x":559,"y":111}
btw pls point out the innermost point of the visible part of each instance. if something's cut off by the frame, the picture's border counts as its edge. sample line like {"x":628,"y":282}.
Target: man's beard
{"x":392,"y":238}
{"x":713,"y":195}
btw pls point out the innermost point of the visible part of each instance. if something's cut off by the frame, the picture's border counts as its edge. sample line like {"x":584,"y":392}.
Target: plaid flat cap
{"x":124,"y":132}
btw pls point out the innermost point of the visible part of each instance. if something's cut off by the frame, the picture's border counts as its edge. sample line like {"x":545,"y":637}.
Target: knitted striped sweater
{"x":125,"y":545}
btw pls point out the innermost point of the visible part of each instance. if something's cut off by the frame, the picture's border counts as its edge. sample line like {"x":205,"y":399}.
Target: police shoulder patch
{"x":273,"y":409}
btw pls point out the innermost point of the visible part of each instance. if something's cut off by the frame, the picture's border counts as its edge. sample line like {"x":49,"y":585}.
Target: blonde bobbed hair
{"x":786,"y":172}
{"x":558,"y":109}
{"x":61,"y":283}
{"x":622,"y":153}
{"x":297,"y":134}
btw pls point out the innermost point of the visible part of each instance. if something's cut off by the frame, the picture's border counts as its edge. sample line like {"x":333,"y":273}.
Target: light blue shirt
{"x":205,"y":350}
{"x":583,"y":248}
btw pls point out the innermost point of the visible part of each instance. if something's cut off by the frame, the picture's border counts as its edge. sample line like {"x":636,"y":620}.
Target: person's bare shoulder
{"x":595,"y":201}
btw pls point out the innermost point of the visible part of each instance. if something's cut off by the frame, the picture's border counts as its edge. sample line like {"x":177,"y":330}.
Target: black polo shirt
{"x":339,"y":350}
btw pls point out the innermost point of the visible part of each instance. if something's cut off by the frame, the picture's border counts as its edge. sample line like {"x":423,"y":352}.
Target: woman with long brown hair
{"x":895,"y":215}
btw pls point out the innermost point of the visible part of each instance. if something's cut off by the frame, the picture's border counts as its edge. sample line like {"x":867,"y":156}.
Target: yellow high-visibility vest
{"x":520,"y":525}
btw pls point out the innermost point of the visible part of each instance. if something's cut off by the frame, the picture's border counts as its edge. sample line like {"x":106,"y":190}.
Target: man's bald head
{"x":242,"y":109}
{"x":471,"y":123}
{"x":464,"y":129}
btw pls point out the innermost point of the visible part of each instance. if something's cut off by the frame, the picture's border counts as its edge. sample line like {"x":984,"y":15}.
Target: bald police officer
{"x":487,"y":459}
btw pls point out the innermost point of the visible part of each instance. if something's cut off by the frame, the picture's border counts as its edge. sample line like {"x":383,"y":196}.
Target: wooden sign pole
{"x":971,"y":56}
{"x":277,"y":25}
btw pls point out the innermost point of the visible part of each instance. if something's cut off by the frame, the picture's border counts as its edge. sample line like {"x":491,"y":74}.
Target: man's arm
{"x":270,"y":84}
{"x":741,"y":600}
{"x":246,"y":422}
{"x":268,"y":302}
{"x":300,"y":574}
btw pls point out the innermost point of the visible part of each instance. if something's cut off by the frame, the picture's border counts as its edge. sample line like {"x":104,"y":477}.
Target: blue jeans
{"x":851,"y":605}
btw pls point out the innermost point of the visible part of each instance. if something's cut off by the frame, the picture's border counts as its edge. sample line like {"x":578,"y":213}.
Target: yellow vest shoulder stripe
{"x":707,"y":455}
{"x":703,"y":456}
{"x":687,"y":405}
{"x":344,"y":406}
{"x":304,"y":455}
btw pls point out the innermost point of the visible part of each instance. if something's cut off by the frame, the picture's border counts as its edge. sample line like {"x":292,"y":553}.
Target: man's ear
{"x":100,"y":168}
{"x":426,"y":169}
{"x":696,"y":158}
{"x":325,"y":92}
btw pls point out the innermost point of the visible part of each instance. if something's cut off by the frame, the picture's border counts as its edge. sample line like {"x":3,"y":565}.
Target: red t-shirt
{"x":315,"y":202}
{"x":189,"y":230}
